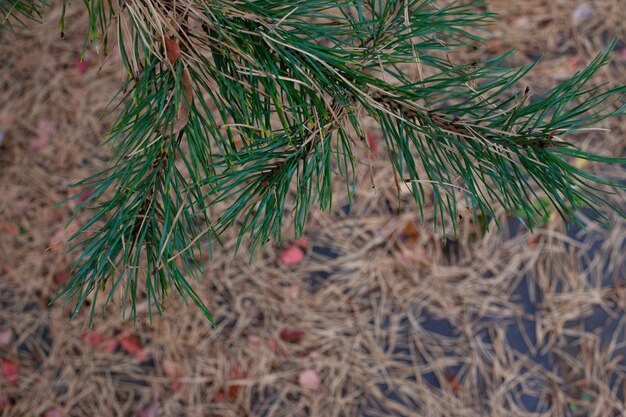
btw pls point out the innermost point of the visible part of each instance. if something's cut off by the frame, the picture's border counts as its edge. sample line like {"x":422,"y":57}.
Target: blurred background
{"x":372,"y":313}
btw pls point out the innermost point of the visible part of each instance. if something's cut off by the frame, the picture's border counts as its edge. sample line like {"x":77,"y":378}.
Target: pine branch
{"x":17,"y":10}
{"x":291,"y":83}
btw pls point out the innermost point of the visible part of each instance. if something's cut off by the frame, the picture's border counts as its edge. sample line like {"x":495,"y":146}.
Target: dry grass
{"x":394,"y":320}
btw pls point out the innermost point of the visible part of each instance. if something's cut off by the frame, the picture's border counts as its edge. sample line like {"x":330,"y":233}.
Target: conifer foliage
{"x":259,"y":106}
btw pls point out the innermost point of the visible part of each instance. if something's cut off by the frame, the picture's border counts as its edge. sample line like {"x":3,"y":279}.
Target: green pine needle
{"x":292,"y":82}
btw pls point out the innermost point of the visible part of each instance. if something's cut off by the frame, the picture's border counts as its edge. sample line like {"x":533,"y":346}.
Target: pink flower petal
{"x":81,"y":66}
{"x":52,"y":412}
{"x":6,"y":337}
{"x":44,"y":132}
{"x":372,"y":142}
{"x":10,"y":371}
{"x":291,"y":334}
{"x":293,"y":255}
{"x":310,"y":379}
{"x":149,"y":411}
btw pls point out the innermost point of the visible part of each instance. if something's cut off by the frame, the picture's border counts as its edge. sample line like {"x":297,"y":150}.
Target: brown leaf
{"x":58,"y":241}
{"x":172,"y":49}
{"x":236,"y":372}
{"x":454,"y":382}
{"x":271,"y":344}
{"x":9,"y":228}
{"x":183,"y":112}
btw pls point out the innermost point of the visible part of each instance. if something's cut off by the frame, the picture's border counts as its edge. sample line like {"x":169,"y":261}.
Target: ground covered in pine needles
{"x":372,"y":314}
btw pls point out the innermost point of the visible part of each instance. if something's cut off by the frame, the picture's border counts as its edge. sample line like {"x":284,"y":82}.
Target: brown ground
{"x":367,"y":309}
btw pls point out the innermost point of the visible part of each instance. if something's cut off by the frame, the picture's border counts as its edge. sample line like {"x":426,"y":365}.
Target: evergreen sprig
{"x":12,"y":11}
{"x":260,"y":105}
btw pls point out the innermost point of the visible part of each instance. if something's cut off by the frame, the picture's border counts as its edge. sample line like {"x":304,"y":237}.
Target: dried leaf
{"x":271,"y":344}
{"x":10,"y":371}
{"x":310,"y":379}
{"x":172,"y":49}
{"x":291,"y":334}
{"x":453,"y":382}
{"x":58,"y":241}
{"x":410,"y":232}
{"x":9,"y":229}
{"x":236,"y":372}
{"x":293,"y":255}
{"x":183,"y":112}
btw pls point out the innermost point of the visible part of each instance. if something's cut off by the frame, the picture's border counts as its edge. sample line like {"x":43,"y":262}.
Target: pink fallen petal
{"x":85,"y":194}
{"x":310,"y":379}
{"x":132,"y":345}
{"x":291,"y":335}
{"x":293,"y":291}
{"x":372,"y":143}
{"x":172,"y":368}
{"x":110,"y":346}
{"x":81,"y":66}
{"x":303,"y":242}
{"x":93,"y":338}
{"x":149,"y":411}
{"x":254,"y":341}
{"x":6,"y":337}
{"x":6,"y":402}
{"x":10,"y":371}
{"x":582,"y":13}
{"x":293,"y":255}
{"x":52,"y":412}
{"x":44,"y":132}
